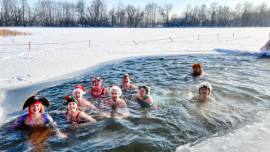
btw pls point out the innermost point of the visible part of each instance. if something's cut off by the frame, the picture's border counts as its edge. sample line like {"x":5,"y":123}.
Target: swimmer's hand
{"x":106,"y":115}
{"x":61,"y":135}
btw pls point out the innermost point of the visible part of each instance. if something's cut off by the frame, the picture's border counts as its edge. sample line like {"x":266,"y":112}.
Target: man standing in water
{"x":197,"y":70}
{"x":115,"y":102}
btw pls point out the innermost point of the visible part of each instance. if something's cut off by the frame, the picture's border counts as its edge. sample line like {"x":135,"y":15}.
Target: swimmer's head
{"x":33,"y":100}
{"x":36,"y":98}
{"x":205,"y":85}
{"x":146,"y":88}
{"x":70,"y":99}
{"x":117,"y":89}
{"x":197,"y":65}
{"x":79,"y":88}
{"x":96,"y":79}
{"x":126,"y":76}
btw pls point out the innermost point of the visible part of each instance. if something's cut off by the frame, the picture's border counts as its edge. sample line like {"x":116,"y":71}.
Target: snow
{"x":50,"y":58}
{"x":60,"y":52}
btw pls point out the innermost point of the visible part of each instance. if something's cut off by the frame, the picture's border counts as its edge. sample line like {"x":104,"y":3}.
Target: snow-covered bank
{"x":56,"y":52}
{"x":50,"y":58}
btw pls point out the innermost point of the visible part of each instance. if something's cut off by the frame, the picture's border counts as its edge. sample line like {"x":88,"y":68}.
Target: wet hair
{"x":145,"y":87}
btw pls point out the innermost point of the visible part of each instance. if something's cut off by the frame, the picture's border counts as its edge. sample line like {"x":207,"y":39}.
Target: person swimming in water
{"x":73,"y":115}
{"x":197,"y":70}
{"x":36,"y":116}
{"x":126,"y":83}
{"x":97,"y":90}
{"x":205,"y":90}
{"x":115,"y":102}
{"x":78,"y":93}
{"x":144,"y":98}
{"x":266,"y":48}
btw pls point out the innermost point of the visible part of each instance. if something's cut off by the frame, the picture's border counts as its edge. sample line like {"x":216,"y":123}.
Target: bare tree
{"x":81,"y":12}
{"x":213,"y":14}
{"x":131,"y":12}
{"x":246,"y":13}
{"x":112,"y":17}
{"x":97,"y":13}
{"x":120,"y":14}
{"x":203,"y":15}
{"x":151,"y":14}
{"x":6,"y":9}
{"x":223,"y":16}
{"x":165,"y":13}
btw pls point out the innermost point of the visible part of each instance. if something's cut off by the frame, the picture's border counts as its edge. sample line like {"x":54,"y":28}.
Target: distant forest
{"x":94,"y":13}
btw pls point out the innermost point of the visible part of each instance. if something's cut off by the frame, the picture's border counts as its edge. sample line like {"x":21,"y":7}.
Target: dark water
{"x":240,"y":88}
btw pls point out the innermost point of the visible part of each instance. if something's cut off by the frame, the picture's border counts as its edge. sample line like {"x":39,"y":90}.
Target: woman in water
{"x":144,"y":98}
{"x":36,"y":116}
{"x":97,"y":90}
{"x":205,"y":89}
{"x":197,"y":70}
{"x":73,"y":114}
{"x":126,"y":83}
{"x":82,"y":103}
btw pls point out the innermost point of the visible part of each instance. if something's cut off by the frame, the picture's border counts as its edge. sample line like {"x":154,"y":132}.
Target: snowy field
{"x":57,"y":53}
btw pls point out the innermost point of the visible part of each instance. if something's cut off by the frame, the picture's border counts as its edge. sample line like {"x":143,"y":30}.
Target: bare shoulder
{"x":108,"y":101}
{"x":133,"y":87}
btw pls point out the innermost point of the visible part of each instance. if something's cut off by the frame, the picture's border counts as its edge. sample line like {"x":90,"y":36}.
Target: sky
{"x":178,"y":5}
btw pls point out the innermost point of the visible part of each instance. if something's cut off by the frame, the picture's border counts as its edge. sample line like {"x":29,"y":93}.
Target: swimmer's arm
{"x":134,"y":87}
{"x":139,"y":97}
{"x":87,"y":117}
{"x":123,"y":104}
{"x":106,"y":91}
{"x":90,"y":91}
{"x":55,"y":128}
{"x":90,"y":105}
{"x":107,"y":102}
{"x":59,"y":134}
{"x":18,"y":122}
{"x":124,"y":114}
{"x":149,"y":100}
{"x":194,"y":98}
{"x":212,"y":99}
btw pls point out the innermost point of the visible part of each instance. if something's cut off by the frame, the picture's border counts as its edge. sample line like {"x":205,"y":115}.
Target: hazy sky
{"x":178,"y":5}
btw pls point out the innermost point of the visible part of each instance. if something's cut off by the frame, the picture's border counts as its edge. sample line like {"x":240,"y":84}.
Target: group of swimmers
{"x":76,"y":104}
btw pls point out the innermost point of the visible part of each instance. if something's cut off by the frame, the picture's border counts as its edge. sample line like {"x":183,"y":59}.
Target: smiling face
{"x":35,"y":108}
{"x":196,"y":69}
{"x":126,"y":80}
{"x":204,"y":91}
{"x":72,"y":106}
{"x":143,"y":92}
{"x":77,"y":94}
{"x":97,"y":84}
{"x":114,"y":95}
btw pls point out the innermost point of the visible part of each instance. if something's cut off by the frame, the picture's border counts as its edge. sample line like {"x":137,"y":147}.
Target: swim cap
{"x":117,"y":89}
{"x":79,"y":88}
{"x":196,"y":65}
{"x":70,"y":99}
{"x":205,"y":84}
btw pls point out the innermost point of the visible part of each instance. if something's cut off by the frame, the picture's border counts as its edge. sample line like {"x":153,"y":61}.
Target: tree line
{"x":94,"y":13}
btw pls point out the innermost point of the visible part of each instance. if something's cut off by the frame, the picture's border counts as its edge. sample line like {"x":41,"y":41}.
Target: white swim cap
{"x":117,"y":89}
{"x":205,"y":84}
